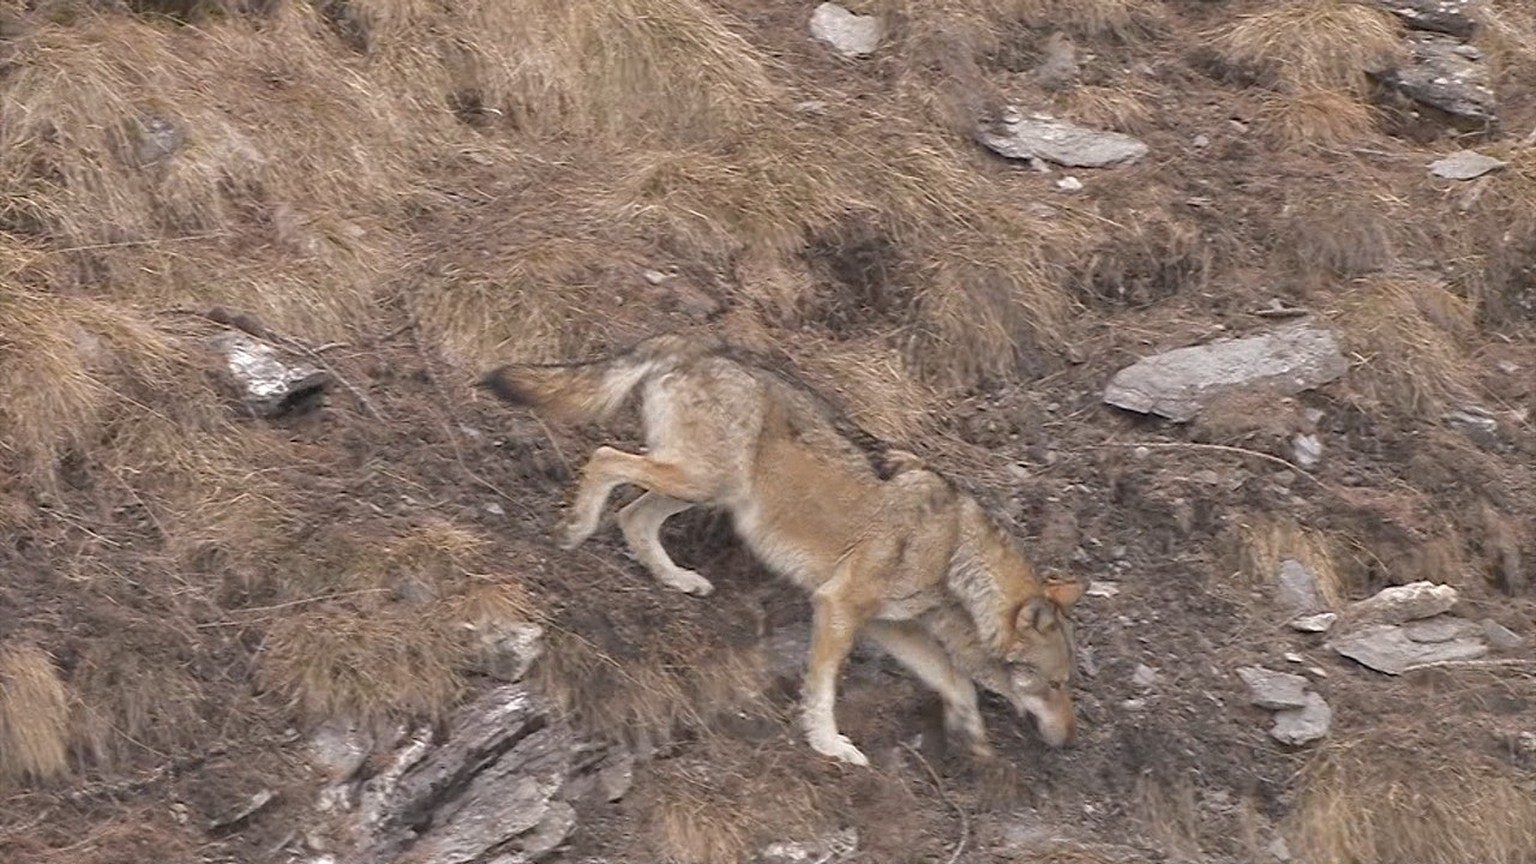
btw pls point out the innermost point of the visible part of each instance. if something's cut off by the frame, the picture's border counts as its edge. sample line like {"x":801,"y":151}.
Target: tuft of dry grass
{"x":1302,"y":46}
{"x":721,"y":809}
{"x":137,"y":694}
{"x":1125,"y":106}
{"x":1315,"y":117}
{"x":34,"y":716}
{"x":1407,"y":336}
{"x":1331,"y":236}
{"x":1392,"y":797}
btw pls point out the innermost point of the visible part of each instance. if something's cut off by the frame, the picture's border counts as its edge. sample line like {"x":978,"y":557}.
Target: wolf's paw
{"x":572,"y":532}
{"x":838,"y":747}
{"x":688,"y":582}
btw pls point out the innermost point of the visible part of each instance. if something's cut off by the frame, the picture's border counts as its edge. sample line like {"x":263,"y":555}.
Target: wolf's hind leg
{"x":641,"y":522}
{"x":607,"y":469}
{"x":925,"y":658}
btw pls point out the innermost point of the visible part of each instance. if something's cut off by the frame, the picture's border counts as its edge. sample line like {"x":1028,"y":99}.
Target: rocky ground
{"x":1226,"y":307}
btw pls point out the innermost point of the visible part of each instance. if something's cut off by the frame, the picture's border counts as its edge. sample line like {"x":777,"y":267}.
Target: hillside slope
{"x":401,"y":194}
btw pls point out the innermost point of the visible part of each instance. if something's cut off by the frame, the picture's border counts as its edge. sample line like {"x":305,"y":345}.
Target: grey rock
{"x":1320,"y":622}
{"x":1144,"y":676}
{"x":270,"y":384}
{"x":1386,"y":648}
{"x":1177,"y":384}
{"x":340,"y":749}
{"x":1465,"y":165}
{"x":1279,"y":849}
{"x":849,"y":35}
{"x":487,"y":792}
{"x":1296,"y":587}
{"x":1441,"y":628}
{"x":837,"y":846}
{"x":507,"y":649}
{"x":1439,"y":76}
{"x":1273,"y":690}
{"x":1306,"y":450}
{"x":1043,"y":137}
{"x":1452,"y":17}
{"x":1400,"y":603}
{"x":158,"y":139}
{"x":1500,"y":636}
{"x":1297,"y":726}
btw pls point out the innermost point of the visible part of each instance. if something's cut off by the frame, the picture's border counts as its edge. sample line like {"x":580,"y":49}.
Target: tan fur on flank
{"x":882,"y":544}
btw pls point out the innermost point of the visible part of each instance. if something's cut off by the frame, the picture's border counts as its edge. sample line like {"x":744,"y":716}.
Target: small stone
{"x":1297,"y":726}
{"x":1401,"y":603}
{"x":837,"y":846}
{"x":655,"y":277}
{"x":1069,"y":184}
{"x":273,"y":385}
{"x":1307,"y":450}
{"x":1296,"y":587}
{"x":1500,"y":636}
{"x":1134,"y":704}
{"x":494,"y":509}
{"x":1316,"y":623}
{"x":1465,"y":165}
{"x":1202,"y":141}
{"x":1508,"y":367}
{"x":1144,"y":676}
{"x":1043,"y":137}
{"x":1279,"y":850}
{"x":1273,"y":690}
{"x":1102,"y":588}
{"x":1293,"y":657}
{"x":849,"y":35}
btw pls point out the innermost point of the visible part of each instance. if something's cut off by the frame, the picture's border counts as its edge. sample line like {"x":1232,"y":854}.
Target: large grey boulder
{"x":1178,"y":384}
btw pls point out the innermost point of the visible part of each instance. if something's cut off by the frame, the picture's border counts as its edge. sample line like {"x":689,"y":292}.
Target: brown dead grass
{"x":703,"y":810}
{"x":34,"y":716}
{"x":1407,"y":337}
{"x":1333,"y":235}
{"x":1315,"y":117}
{"x":1394,"y":797}
{"x":394,"y":633}
{"x":1301,"y":46}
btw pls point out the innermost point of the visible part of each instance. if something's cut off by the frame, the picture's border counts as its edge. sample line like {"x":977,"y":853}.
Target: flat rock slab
{"x":1297,"y":726}
{"x":1386,"y":648}
{"x":270,"y":384}
{"x":1042,"y":137}
{"x":1296,"y":586}
{"x":1273,"y":690}
{"x":1401,"y":603}
{"x":1178,"y":384}
{"x":1441,"y":628}
{"x":1445,"y":75}
{"x":1465,"y":165}
{"x":849,"y":35}
{"x":1454,"y":17}
{"x":1320,"y":622}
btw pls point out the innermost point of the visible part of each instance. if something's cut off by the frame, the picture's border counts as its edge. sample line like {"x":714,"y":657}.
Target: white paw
{"x":838,"y":747}
{"x":573,"y":533}
{"x":688,"y":582}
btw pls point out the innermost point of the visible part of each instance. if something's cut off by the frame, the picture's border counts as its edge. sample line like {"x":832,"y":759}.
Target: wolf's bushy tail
{"x":591,"y":391}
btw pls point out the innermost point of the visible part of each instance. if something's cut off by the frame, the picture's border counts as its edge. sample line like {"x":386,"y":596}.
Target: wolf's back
{"x":592,"y":391}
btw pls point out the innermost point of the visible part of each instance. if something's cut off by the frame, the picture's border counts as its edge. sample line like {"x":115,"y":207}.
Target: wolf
{"x":883,"y":545}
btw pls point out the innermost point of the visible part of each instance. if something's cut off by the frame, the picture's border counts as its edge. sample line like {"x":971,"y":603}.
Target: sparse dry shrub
{"x":703,"y":810}
{"x":1315,"y":117}
{"x":34,"y":716}
{"x":1124,"y":106}
{"x":1093,"y":19}
{"x":136,"y":692}
{"x":1495,"y":246}
{"x":1148,"y":254}
{"x":1394,"y":796}
{"x":1407,"y":336}
{"x":1301,"y":46}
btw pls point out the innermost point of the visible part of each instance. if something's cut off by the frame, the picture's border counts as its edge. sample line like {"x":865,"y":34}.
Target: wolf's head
{"x":1040,"y":659}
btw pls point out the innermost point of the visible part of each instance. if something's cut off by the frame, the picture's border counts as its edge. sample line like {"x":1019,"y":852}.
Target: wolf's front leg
{"x":833,"y":626}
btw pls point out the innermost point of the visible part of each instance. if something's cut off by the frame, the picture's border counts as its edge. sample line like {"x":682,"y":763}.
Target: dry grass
{"x":1302,"y":46}
{"x":1315,"y":117}
{"x":703,"y":810}
{"x":1408,"y":339}
{"x":138,"y":696}
{"x":394,"y":634}
{"x":1393,"y":797}
{"x":1125,"y":106}
{"x":1333,"y":235}
{"x":34,"y":716}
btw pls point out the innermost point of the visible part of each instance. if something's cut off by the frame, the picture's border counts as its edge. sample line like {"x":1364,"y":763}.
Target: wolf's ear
{"x":1036,"y":614}
{"x":1065,"y":594}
